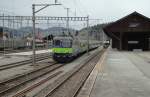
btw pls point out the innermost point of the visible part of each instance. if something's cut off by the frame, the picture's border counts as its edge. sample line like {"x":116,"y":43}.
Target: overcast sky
{"x":107,"y":10}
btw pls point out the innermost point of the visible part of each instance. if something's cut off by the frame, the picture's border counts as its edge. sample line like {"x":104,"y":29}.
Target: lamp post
{"x":33,"y":20}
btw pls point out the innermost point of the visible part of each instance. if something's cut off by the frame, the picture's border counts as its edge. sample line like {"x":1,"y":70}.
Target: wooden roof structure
{"x":134,"y":22}
{"x":130,"y":32}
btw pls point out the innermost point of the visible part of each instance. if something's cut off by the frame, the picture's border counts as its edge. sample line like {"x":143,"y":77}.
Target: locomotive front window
{"x":57,"y":43}
{"x":67,"y":43}
{"x":64,"y":43}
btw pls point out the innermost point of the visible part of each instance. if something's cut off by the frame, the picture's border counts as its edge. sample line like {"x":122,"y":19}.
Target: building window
{"x":133,"y":25}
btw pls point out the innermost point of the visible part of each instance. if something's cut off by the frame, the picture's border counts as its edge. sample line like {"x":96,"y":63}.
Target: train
{"x":106,"y":43}
{"x":65,"y":49}
{"x":19,"y":44}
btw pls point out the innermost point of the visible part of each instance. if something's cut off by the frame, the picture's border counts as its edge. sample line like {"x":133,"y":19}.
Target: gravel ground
{"x":21,"y":69}
{"x":27,"y":68}
{"x":65,"y":69}
{"x":12,"y":59}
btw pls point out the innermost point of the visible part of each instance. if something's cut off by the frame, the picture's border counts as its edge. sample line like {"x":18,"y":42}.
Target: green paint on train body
{"x":62,"y":50}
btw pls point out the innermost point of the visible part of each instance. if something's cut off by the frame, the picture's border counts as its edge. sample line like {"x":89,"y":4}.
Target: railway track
{"x":23,"y":92}
{"x":70,"y":83}
{"x":13,"y":83}
{"x":21,"y":63}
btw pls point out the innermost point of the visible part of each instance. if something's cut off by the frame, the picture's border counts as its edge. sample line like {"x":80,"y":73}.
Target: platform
{"x":13,"y":59}
{"x":121,"y":74}
{"x":30,"y":52}
{"x":21,"y":56}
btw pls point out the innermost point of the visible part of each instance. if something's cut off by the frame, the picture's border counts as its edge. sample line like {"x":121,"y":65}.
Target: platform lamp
{"x":43,"y":6}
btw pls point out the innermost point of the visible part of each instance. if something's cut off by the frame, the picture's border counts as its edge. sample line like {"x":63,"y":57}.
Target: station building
{"x":130,"y":32}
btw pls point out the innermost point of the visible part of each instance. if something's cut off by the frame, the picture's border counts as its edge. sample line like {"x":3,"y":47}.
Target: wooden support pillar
{"x":120,"y":41}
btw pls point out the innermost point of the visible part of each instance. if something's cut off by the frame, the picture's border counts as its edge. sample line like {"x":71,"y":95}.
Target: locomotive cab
{"x":62,"y":49}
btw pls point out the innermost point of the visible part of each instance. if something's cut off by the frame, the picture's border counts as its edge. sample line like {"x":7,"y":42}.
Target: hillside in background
{"x":27,"y":31}
{"x":95,"y":32}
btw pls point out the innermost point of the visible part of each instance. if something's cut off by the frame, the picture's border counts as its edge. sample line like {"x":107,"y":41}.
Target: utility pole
{"x":33,"y":20}
{"x":103,"y":37}
{"x":3,"y":36}
{"x":67,"y":24}
{"x":88,"y":34}
{"x":13,"y":36}
{"x":75,"y":14}
{"x":33,"y":34}
{"x":48,"y":34}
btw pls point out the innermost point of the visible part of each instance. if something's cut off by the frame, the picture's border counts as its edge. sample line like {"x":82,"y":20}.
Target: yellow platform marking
{"x":88,"y":86}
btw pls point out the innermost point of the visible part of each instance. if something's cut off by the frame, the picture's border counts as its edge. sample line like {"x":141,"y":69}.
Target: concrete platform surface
{"x":124,"y":74}
{"x":12,"y":59}
{"x":30,"y":52}
{"x":21,"y":56}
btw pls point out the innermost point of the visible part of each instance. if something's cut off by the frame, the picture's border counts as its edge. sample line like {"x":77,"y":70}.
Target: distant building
{"x":3,"y":35}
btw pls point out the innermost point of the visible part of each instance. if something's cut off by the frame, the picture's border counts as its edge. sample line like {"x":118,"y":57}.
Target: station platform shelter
{"x":130,"y":32}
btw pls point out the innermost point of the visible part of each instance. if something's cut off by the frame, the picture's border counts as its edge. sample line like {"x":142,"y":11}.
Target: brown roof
{"x":134,"y":22}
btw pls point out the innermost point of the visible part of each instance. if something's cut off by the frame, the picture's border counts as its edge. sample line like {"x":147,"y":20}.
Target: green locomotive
{"x":66,"y":49}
